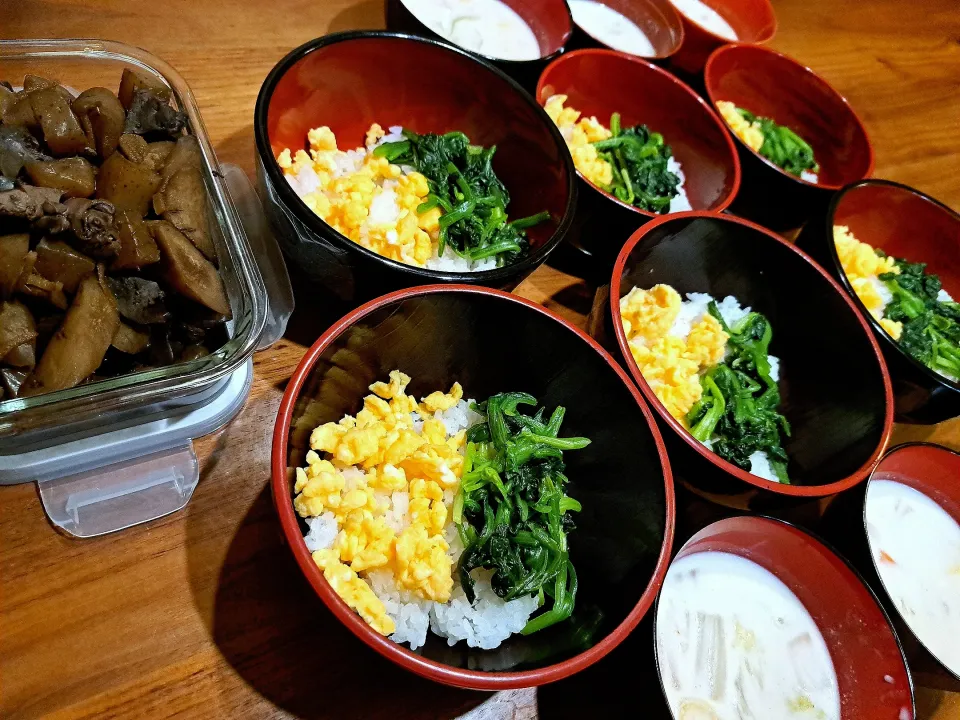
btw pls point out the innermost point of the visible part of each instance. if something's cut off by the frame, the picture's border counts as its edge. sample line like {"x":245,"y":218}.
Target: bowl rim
{"x":762,"y":518}
{"x":506,"y":63}
{"x":866,"y":535}
{"x":800,"y":491}
{"x":737,"y":47}
{"x":291,"y":202}
{"x":845,"y":281}
{"x":664,"y":75}
{"x":678,"y":27}
{"x":433,"y":670}
{"x":726,"y":41}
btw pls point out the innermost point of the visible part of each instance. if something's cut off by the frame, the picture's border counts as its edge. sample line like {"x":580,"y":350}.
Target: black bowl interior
{"x":831,"y":378}
{"x":490,"y":344}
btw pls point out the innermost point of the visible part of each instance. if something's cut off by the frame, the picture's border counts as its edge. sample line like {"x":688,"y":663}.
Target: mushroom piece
{"x":61,"y":129}
{"x":79,"y":345}
{"x":59,"y":262}
{"x":74,"y":176}
{"x":138,"y":300}
{"x":39,"y":206}
{"x":182,"y":200}
{"x":130,"y":341}
{"x":150,"y":113}
{"x":128,"y":185}
{"x":13,"y":256}
{"x":186,"y":269}
{"x":137,"y":246}
{"x":133,"y":80}
{"x":102,"y":118}
{"x":16,"y":326}
{"x":93,"y":226}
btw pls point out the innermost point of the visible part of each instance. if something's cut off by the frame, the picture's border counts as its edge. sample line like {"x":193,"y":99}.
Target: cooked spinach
{"x":472,"y":199}
{"x":931,"y":327}
{"x":782,"y":146}
{"x":511,"y":510}
{"x":738,"y":410}
{"x":639,"y":161}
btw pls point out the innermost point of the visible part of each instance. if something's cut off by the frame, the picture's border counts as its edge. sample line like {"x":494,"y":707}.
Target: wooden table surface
{"x":203,"y":614}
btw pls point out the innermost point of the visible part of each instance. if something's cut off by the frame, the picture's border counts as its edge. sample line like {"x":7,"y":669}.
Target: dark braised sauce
{"x":107,"y":264}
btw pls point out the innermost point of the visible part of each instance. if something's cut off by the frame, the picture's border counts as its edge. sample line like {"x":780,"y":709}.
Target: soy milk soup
{"x":706,"y":17}
{"x":734,"y":642}
{"x":611,"y":28}
{"x":487,"y":27}
{"x":915,"y":547}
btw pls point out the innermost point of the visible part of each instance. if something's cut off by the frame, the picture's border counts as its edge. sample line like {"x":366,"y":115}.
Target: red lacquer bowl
{"x":601,"y":82}
{"x":348,"y":81}
{"x":491,"y":341}
{"x":872,"y":674}
{"x":772,"y":85}
{"x":752,"y":20}
{"x":658,"y":20}
{"x":908,"y":224}
{"x":549,"y":20}
{"x":840,"y":427}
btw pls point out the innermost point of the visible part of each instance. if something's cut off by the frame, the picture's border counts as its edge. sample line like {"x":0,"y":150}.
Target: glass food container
{"x":114,"y":453}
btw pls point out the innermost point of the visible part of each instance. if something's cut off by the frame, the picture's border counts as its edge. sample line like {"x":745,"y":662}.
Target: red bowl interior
{"x":858,"y":634}
{"x":905,"y":223}
{"x":658,"y":20}
{"x":602,"y":82}
{"x":624,"y":534}
{"x":839,"y":429}
{"x":350,"y":81}
{"x":772,"y":85}
{"x":929,"y":469}
{"x":753,"y":20}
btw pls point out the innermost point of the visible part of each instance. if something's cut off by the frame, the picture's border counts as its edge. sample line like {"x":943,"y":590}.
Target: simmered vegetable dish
{"x":107,"y":265}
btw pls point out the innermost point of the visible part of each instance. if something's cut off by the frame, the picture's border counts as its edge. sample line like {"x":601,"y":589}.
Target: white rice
{"x":691,"y":312}
{"x":944,"y":296}
{"x":384,"y":209}
{"x":486,"y":623}
{"x":680,"y":202}
{"x":809,"y":176}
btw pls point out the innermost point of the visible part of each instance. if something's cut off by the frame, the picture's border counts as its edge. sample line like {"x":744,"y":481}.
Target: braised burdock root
{"x":107,"y":263}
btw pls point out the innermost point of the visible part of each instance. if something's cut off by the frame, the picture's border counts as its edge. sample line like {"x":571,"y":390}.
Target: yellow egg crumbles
{"x":579,"y":133}
{"x":749,"y":132}
{"x":671,"y":365}
{"x":364,"y":197}
{"x":369,"y":471}
{"x":863,"y":267}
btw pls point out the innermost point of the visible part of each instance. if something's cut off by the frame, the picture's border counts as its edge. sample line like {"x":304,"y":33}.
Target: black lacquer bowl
{"x":347,"y":81}
{"x":490,"y":342}
{"x":835,"y":388}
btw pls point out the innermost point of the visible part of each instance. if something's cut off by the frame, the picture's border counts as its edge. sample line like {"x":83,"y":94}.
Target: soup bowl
{"x":839,"y":427}
{"x":872,"y":676}
{"x":549,"y":20}
{"x":772,"y":85}
{"x":658,"y":20}
{"x":490,"y":342}
{"x":905,"y":223}
{"x":753,"y":21}
{"x":347,"y":81}
{"x":601,"y":82}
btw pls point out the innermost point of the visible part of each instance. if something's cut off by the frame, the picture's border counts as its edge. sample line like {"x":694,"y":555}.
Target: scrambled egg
{"x":369,"y":200}
{"x":368,"y":458}
{"x":671,"y":365}
{"x":863,"y":266}
{"x":579,"y":136}
{"x":750,"y":133}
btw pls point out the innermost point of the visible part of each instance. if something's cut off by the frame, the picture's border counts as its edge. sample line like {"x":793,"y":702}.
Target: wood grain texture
{"x":203,"y":614}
